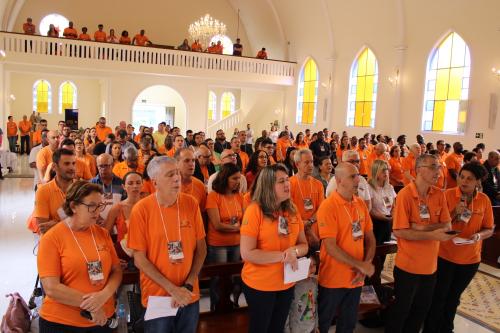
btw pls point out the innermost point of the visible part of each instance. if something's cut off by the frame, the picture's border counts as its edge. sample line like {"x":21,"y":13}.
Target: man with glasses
{"x":203,"y":167}
{"x":50,"y":197}
{"x":228,"y":156}
{"x":220,"y":142}
{"x":102,"y":130}
{"x":267,"y":145}
{"x":421,"y":220}
{"x":352,"y":156}
{"x":112,"y":189}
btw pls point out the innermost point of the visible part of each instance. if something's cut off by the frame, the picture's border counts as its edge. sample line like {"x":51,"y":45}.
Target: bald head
{"x":347,"y":178}
{"x":493,"y":158}
{"x":344,"y":169}
{"x":53,"y":139}
{"x":104,"y":159}
{"x":204,"y":155}
{"x":380,"y":148}
{"x":105,"y":166}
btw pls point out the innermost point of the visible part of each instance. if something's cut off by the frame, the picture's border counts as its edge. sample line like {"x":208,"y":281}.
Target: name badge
{"x":424,"y":212}
{"x":175,"y":254}
{"x":466,"y":215}
{"x":322,"y":148}
{"x":96,"y":275}
{"x":308,"y":204}
{"x":283,"y":229}
{"x":233,"y":220}
{"x":357,"y":233}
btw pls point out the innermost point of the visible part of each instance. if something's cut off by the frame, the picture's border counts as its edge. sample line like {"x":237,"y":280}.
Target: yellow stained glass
{"x":442,"y":80}
{"x":360,"y":89}
{"x":362,"y":60}
{"x":370,"y":63}
{"x":455,"y":89}
{"x":358,"y":115}
{"x":444,"y":53}
{"x":309,"y":97}
{"x":67,"y":96}
{"x":367,"y":114}
{"x":438,"y":118}
{"x":369,"y":88}
{"x":42,"y":97}
{"x":462,"y":116}
{"x":227,"y":104}
{"x":212,"y":102}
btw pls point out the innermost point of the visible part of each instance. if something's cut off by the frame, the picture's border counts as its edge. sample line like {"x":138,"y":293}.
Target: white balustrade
{"x":227,"y":124}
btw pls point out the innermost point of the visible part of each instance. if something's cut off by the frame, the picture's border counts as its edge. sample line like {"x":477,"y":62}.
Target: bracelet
{"x":188,"y":287}
{"x":297,"y":251}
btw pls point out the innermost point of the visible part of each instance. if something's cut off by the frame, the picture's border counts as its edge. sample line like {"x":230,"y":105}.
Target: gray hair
{"x":130,"y":152}
{"x":155,"y":164}
{"x":178,"y":152}
{"x":423,"y":158}
{"x":299,"y":153}
{"x":346,"y":155}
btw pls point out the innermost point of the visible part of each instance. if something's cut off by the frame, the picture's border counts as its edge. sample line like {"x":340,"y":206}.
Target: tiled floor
{"x":18,"y":264}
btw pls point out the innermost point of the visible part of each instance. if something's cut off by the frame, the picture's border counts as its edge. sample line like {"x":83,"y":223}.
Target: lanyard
{"x":300,"y":189}
{"x":163,"y":221}
{"x":81,"y":250}
{"x":350,"y":217}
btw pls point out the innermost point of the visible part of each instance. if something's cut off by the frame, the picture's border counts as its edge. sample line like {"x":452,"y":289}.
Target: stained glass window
{"x":67,"y":96}
{"x":212,"y":105}
{"x":363,"y":85}
{"x":227,"y":104}
{"x":42,"y":96}
{"x":307,"y":97}
{"x":447,"y":86}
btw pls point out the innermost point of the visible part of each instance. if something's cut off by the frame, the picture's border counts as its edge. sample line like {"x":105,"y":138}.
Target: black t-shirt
{"x":99,"y":148}
{"x":237,"y":46}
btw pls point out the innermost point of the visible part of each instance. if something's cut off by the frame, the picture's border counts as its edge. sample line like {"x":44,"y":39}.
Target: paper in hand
{"x":462,"y":241}
{"x":158,"y":307}
{"x":300,"y":274}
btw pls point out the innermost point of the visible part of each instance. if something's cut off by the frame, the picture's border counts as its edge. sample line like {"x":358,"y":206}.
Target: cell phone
{"x":453,"y":232}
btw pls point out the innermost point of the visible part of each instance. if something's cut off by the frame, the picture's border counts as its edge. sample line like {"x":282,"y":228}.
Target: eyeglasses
{"x":353,"y":161}
{"x":433,"y":167}
{"x":230,"y":156}
{"x":93,"y":208}
{"x":262,"y":157}
{"x":104,"y":166}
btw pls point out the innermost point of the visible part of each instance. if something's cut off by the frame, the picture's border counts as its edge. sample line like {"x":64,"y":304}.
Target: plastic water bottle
{"x":122,"y":319}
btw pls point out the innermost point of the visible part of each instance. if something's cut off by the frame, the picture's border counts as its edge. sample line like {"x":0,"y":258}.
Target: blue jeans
{"x":345,"y":302}
{"x":185,"y":321}
{"x":223,"y":254}
{"x":12,"y":143}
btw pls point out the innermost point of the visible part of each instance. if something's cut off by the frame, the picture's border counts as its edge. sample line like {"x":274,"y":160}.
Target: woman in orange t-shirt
{"x":472,"y":217}
{"x":396,"y":175}
{"x":87,"y":159}
{"x":299,"y":142}
{"x":282,"y":145}
{"x":78,"y":266}
{"x":272,"y":235}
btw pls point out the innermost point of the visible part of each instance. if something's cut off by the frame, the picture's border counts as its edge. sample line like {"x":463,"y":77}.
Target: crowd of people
{"x":174,"y":202}
{"x":139,"y":39}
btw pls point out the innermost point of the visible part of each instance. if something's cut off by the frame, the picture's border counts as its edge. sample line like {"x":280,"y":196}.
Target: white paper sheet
{"x":462,"y":241}
{"x":300,"y":274}
{"x":159,"y":306}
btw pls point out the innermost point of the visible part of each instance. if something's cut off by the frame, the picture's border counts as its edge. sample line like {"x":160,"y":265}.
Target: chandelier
{"x":205,"y":28}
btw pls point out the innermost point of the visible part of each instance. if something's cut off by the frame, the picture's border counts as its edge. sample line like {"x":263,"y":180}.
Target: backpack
{"x":17,"y":316}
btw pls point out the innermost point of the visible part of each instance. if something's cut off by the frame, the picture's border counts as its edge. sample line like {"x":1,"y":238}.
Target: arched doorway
{"x":156,"y":104}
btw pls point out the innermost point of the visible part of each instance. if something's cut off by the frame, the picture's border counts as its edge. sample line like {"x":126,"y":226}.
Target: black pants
{"x":452,"y":279}
{"x":46,"y":326}
{"x":341,"y":301}
{"x":25,"y":144}
{"x":413,"y":298}
{"x":267,"y":310}
{"x":382,"y":231}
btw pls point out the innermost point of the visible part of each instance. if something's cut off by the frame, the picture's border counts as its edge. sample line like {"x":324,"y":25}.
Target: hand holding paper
{"x":300,"y":274}
{"x":159,"y":306}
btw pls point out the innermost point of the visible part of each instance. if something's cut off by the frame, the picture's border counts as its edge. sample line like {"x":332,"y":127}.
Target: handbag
{"x":17,"y":316}
{"x":36,"y":295}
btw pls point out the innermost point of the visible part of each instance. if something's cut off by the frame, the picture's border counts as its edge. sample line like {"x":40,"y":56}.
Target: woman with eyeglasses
{"x":78,"y":267}
{"x":272,"y":235}
{"x":459,"y":258}
{"x":382,"y":196}
{"x":258,"y":161}
{"x":87,"y":159}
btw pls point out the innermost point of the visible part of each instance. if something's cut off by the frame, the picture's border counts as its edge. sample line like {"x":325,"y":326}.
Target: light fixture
{"x":3,"y":55}
{"x":496,"y":72}
{"x":12,"y":97}
{"x":394,"y":78}
{"x":205,"y":28}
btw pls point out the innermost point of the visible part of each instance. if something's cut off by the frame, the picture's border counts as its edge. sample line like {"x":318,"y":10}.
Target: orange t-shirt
{"x":303,"y":189}
{"x":372,"y":158}
{"x":482,"y":217}
{"x":396,"y":174}
{"x":70,"y":33}
{"x":59,"y":255}
{"x":49,"y":199}
{"x":418,"y":257}
{"x":302,"y":145}
{"x":271,"y":160}
{"x":24,"y":127}
{"x":335,"y":218}
{"x":147,"y":234}
{"x":228,"y":206}
{"x":11,"y":128}
{"x":102,"y":133}
{"x":100,"y":36}
{"x":148,"y":187}
{"x":453,"y":162}
{"x":89,"y":161}
{"x":197,"y":190}
{"x":247,"y":200}
{"x":196,"y":47}
{"x":204,"y":172}
{"x":281,"y":146}
{"x":44,"y":158}
{"x":408,"y":164}
{"x":37,"y":137}
{"x":121,"y":169}
{"x":84,"y":37}
{"x":339,"y":152}
{"x":171,"y":152}
{"x":140,"y":40}
{"x":244,"y":160}
{"x":363,"y":159}
{"x":268,"y":277}
{"x":125,"y":40}
{"x":82,"y":170}
{"x":443,"y":174}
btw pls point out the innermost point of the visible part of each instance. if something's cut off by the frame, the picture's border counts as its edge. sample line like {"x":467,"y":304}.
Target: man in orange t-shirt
{"x":262,"y":54}
{"x":196,"y":46}
{"x":12,"y":133}
{"x":307,"y":194}
{"x":44,"y":157}
{"x":131,"y":163}
{"x":347,"y":250}
{"x":189,"y":184}
{"x":167,"y":236}
{"x":363,"y":157}
{"x":100,"y":35}
{"x":408,"y":163}
{"x":102,"y":130}
{"x":70,"y":32}
{"x":24,"y":131}
{"x":140,"y":39}
{"x":379,"y":153}
{"x":84,"y":35}
{"x":28,"y":27}
{"x":421,"y":220}
{"x":282,"y":145}
{"x":37,"y":135}
{"x":454,"y":162}
{"x":242,"y":158}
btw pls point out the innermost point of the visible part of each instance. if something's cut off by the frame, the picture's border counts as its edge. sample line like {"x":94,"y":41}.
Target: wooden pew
{"x":491,"y":246}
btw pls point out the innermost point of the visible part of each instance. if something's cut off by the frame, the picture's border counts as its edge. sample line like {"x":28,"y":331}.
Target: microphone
{"x":111,"y":323}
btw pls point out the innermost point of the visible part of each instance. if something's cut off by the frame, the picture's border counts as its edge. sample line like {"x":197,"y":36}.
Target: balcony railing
{"x":161,"y":58}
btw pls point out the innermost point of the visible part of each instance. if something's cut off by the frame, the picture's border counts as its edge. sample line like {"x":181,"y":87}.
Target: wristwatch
{"x":188,"y":286}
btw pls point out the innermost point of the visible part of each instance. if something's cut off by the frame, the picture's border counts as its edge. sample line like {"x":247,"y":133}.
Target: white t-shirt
{"x":32,"y":159}
{"x":243,"y":183}
{"x":274,"y":136}
{"x":250,"y":137}
{"x":363,"y":191}
{"x":382,"y":199}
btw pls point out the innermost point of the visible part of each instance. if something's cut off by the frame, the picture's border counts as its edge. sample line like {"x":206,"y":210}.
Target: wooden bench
{"x":491,"y":246}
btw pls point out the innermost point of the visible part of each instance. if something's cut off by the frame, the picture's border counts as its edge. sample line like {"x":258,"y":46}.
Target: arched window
{"x":42,"y":97}
{"x":307,"y":97}
{"x":212,"y":105}
{"x":227,"y":104}
{"x":67,"y":96}
{"x":447,"y":86}
{"x":363,"y":83}
{"x":59,"y":22}
{"x":227,"y":43}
